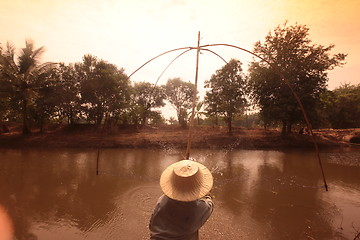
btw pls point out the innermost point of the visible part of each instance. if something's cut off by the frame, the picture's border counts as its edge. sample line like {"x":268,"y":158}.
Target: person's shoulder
{"x":206,"y":200}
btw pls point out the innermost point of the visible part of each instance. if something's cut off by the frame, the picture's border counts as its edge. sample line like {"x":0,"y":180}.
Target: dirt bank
{"x":172,"y":137}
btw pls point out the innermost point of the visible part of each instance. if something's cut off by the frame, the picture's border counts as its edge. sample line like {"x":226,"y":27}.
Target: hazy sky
{"x":130,"y":32}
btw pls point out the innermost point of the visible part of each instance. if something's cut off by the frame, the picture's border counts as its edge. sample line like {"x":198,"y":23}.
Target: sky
{"x":128,"y":33}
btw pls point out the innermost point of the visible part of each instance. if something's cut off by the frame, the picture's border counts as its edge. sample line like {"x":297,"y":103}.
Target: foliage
{"x":227,"y":94}
{"x":247,"y":120}
{"x":4,"y":93}
{"x":344,"y":110}
{"x":146,"y":96}
{"x":156,"y":118}
{"x":173,"y":121}
{"x":104,"y":89}
{"x":23,"y":77}
{"x":44,"y":106}
{"x":68,"y":93}
{"x":180,"y":95}
{"x":303,"y":64}
{"x":97,"y":91}
{"x":199,"y":112}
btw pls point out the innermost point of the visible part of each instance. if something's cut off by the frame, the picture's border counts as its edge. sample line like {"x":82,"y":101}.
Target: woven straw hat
{"x":186,"y":181}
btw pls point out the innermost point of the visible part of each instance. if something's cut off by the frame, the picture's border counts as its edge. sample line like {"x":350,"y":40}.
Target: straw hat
{"x":186,"y":181}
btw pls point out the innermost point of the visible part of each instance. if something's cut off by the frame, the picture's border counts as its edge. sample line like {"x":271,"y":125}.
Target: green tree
{"x":68,"y":93}
{"x":45,"y":104}
{"x":145,"y":97}
{"x":325,"y":109}
{"x":4,"y":92}
{"x":199,"y":111}
{"x":227,"y":94}
{"x":180,"y":95}
{"x":304,"y":65}
{"x":173,"y":121}
{"x":156,"y":118}
{"x":344,"y":112}
{"x":23,"y":77}
{"x":104,"y":89}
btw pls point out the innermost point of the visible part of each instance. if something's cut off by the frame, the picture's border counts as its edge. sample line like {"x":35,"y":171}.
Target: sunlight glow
{"x":128,"y":33}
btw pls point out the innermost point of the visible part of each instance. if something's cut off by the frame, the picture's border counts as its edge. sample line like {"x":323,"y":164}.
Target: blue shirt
{"x":177,"y":220}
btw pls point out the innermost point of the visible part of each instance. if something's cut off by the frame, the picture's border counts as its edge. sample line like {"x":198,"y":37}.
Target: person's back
{"x":179,"y":220}
{"x":185,"y":207}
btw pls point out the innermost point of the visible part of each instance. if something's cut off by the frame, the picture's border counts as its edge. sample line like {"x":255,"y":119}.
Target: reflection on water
{"x":55,"y":193}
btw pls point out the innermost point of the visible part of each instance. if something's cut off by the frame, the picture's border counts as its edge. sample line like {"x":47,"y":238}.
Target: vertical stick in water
{"x":97,"y":162}
{"x":194,"y":100}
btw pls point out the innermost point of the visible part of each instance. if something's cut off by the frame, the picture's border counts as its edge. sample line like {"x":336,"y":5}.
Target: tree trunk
{"x":283,"y":131}
{"x":4,"y":128}
{"x":70,"y":116}
{"x":144,"y":117}
{"x":247,"y":120}
{"x":229,"y":120}
{"x":99,"y":118}
{"x":289,"y":128}
{"x":26,"y":129}
{"x":229,"y":127}
{"x":182,"y":118}
{"x":41,"y":124}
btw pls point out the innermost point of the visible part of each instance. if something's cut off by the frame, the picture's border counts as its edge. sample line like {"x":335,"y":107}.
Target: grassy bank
{"x":172,"y":137}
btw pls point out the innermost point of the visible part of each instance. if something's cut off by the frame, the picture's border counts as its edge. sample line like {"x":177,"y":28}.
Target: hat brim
{"x":204,"y":184}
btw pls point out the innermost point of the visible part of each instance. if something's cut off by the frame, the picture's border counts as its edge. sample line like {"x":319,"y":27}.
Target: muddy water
{"x":55,"y":194}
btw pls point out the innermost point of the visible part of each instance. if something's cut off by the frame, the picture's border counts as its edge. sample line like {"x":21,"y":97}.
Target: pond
{"x":259,"y":194}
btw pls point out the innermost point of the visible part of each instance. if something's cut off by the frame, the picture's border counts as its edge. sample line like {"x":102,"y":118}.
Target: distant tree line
{"x":92,"y":91}
{"x":95,"y":91}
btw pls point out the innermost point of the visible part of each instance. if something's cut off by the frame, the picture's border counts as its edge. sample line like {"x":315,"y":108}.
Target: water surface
{"x":56,"y":194}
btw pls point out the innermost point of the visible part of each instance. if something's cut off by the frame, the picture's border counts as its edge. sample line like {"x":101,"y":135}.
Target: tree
{"x":303,"y":64}
{"x":199,"y":111}
{"x":173,"y":121}
{"x":180,"y":95}
{"x":68,"y":93}
{"x":227,"y":94}
{"x":24,"y":76}
{"x":45,"y":104}
{"x":344,"y":112}
{"x":104,"y":88}
{"x":4,"y":93}
{"x":145,"y":96}
{"x":156,"y":118}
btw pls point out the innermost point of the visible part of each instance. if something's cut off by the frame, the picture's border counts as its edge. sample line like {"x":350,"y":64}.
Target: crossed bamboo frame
{"x":272,"y":65}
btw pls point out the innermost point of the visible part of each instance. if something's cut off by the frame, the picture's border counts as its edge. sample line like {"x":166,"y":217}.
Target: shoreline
{"x":175,"y":137}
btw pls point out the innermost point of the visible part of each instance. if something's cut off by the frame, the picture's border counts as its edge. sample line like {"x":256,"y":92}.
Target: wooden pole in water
{"x":191,"y":124}
{"x":97,"y":162}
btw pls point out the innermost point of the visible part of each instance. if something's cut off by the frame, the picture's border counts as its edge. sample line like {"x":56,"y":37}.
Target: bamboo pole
{"x":273,"y":66}
{"x":191,"y":124}
{"x":97,"y":162}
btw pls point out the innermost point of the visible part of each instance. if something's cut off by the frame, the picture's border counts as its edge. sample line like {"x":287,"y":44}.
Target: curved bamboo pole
{"x":170,"y":65}
{"x":273,"y":66}
{"x":173,"y":50}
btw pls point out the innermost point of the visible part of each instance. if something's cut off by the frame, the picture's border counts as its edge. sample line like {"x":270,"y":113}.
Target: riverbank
{"x":175,"y":137}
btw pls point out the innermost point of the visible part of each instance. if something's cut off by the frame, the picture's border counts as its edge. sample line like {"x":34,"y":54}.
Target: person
{"x":186,"y":203}
{"x":6,"y":225}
